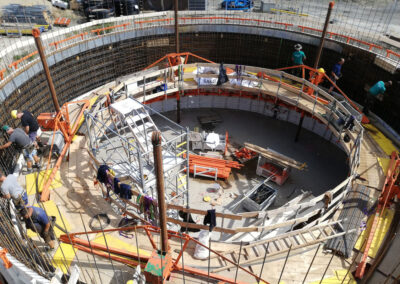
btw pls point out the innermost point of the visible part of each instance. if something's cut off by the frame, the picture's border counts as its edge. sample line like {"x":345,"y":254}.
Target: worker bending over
{"x":36,"y":219}
{"x":10,"y":189}
{"x":29,"y":124}
{"x":22,"y":141}
{"x":375,"y":93}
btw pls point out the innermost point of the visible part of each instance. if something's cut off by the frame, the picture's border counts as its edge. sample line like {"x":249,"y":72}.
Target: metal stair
{"x":134,"y":116}
{"x":256,"y":251}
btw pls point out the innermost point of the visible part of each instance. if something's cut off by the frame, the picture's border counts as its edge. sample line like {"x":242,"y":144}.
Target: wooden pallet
{"x":256,"y":251}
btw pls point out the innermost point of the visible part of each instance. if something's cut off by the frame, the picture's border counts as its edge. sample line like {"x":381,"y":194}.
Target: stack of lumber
{"x":224,"y":167}
{"x":276,"y":157}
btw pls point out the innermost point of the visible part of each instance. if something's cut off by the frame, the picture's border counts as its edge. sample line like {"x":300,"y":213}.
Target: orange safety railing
{"x":15,"y":63}
{"x":56,"y":43}
{"x":2,"y":73}
{"x":154,"y":21}
{"x":98,"y":31}
{"x":133,"y":258}
{"x":347,"y":39}
{"x":63,"y":123}
{"x":305,"y":67}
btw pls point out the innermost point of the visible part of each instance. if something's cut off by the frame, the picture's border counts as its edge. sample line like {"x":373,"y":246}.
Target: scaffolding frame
{"x":114,"y":140}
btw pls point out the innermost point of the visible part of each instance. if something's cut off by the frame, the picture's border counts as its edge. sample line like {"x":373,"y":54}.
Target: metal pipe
{"x":299,"y":126}
{"x":284,"y":265}
{"x":329,"y":263}
{"x":38,"y":41}
{"x":176,"y":27}
{"x":321,"y":44}
{"x":312,"y":261}
{"x":158,"y":163}
{"x":262,"y":266}
{"x":238,"y":263}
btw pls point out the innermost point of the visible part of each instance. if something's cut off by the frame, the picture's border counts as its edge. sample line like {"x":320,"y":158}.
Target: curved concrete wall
{"x":89,"y":64}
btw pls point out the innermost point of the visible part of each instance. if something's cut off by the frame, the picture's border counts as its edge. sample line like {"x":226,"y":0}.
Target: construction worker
{"x":336,"y":73}
{"x":29,"y":124}
{"x":298,"y":57}
{"x":22,"y":141}
{"x":375,"y":93}
{"x":10,"y":189}
{"x":37,"y":220}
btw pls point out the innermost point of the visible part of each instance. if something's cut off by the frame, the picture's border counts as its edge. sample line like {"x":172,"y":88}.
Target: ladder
{"x":134,"y":116}
{"x":256,"y":251}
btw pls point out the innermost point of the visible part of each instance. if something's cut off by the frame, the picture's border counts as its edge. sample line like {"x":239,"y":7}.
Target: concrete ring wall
{"x":84,"y":66}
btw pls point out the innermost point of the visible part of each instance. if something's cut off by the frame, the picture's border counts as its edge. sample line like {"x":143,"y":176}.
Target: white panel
{"x":232,"y":102}
{"x":158,"y":106}
{"x":294,"y":117}
{"x":327,"y":133}
{"x":281,"y":113}
{"x":170,"y":105}
{"x":219,"y":101}
{"x":268,"y":109}
{"x":308,"y":123}
{"x":193,"y":102}
{"x":244,"y":104}
{"x":319,"y":129}
{"x":205,"y":101}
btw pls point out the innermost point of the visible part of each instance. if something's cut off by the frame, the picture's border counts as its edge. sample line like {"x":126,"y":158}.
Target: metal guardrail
{"x":56,"y":41}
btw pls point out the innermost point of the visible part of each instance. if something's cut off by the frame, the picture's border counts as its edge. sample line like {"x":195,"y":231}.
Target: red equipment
{"x":47,"y":121}
{"x":244,"y":155}
{"x":175,"y":59}
{"x":132,"y":258}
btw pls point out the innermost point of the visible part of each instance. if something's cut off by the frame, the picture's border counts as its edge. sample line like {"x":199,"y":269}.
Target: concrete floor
{"x":327,"y":167}
{"x":326,"y":163}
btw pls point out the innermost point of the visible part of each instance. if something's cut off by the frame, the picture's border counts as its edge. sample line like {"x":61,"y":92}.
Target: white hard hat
{"x":298,"y":46}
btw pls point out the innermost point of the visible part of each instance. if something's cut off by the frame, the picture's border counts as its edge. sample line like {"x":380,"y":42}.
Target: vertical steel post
{"x":158,"y":162}
{"x":176,"y":27}
{"x":299,"y":126}
{"x":284,"y":264}
{"x":321,"y":44}
{"x":312,"y":261}
{"x":38,"y":41}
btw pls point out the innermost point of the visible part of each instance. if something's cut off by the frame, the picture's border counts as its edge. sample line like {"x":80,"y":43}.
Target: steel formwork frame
{"x":111,"y":142}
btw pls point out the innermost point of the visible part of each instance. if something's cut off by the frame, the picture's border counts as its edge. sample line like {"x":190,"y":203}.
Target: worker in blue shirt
{"x":36,"y":219}
{"x":336,"y":73}
{"x":375,"y":93}
{"x":298,"y":57}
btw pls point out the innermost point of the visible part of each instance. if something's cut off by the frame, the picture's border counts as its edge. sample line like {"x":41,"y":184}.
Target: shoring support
{"x":159,"y":266}
{"x":158,"y":161}
{"x":299,"y":126}
{"x":38,"y":41}
{"x":176,"y":27}
{"x":321,"y":44}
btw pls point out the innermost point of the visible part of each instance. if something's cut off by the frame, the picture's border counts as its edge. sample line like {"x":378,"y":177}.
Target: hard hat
{"x":5,"y":128}
{"x":14,"y":114}
{"x":298,"y":46}
{"x":321,"y":70}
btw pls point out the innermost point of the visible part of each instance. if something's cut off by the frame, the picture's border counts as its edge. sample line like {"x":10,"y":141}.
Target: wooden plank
{"x":277,"y":157}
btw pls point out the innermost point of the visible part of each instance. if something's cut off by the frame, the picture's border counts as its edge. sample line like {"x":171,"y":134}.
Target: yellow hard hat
{"x":14,"y":114}
{"x":321,"y":70}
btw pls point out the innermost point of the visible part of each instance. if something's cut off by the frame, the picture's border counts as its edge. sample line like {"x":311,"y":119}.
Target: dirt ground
{"x":75,"y":16}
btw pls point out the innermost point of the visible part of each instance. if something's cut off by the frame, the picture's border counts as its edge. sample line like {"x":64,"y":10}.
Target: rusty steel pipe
{"x":176,"y":27}
{"x":321,"y":44}
{"x":38,"y":41}
{"x":158,"y":163}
